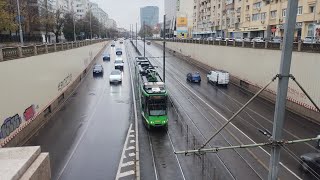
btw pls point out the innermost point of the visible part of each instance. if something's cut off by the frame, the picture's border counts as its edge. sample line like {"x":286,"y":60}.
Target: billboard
{"x":182,"y":21}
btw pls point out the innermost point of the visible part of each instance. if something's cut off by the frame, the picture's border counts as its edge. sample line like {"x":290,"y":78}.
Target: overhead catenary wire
{"x":239,"y":111}
{"x":270,"y":143}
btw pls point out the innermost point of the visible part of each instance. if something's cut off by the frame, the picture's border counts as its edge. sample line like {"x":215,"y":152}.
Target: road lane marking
{"x":132,"y":154}
{"x":127,"y":173}
{"x":135,"y":121}
{"x":132,"y":141}
{"x":129,"y":163}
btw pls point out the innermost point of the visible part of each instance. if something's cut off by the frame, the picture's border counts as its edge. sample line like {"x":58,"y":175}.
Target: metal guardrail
{"x":297,"y":46}
{"x":10,"y":53}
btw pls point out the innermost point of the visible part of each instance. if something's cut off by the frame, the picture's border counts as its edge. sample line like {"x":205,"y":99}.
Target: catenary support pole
{"x":144,"y":40}
{"x":283,"y":82}
{"x":136,"y":34}
{"x":164,"y":48}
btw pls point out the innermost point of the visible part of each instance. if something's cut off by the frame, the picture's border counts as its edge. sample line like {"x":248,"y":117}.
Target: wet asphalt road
{"x":85,"y":138}
{"x":206,"y":103}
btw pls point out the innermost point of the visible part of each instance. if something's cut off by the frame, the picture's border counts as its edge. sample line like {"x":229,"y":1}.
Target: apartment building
{"x":253,"y":18}
{"x":80,"y":7}
{"x":100,"y":14}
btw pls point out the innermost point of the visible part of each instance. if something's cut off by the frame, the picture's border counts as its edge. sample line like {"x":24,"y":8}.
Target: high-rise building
{"x":80,"y":7}
{"x":100,"y":14}
{"x":149,"y":15}
{"x":184,"y":17}
{"x":170,"y":10}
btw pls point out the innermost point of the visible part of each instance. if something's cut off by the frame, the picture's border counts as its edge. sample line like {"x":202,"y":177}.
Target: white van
{"x":218,"y":77}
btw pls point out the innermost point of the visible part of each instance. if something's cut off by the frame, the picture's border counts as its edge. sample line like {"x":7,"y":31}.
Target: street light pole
{"x":164,"y":48}
{"x":136,"y":34}
{"x":19,"y":19}
{"x":144,"y":40}
{"x":282,"y":88}
{"x":314,"y":21}
{"x":90,"y":23}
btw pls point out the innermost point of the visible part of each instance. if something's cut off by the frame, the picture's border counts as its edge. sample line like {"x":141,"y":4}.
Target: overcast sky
{"x":127,"y":12}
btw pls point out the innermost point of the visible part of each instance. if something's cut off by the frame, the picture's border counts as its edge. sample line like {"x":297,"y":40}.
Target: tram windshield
{"x":157,"y":106}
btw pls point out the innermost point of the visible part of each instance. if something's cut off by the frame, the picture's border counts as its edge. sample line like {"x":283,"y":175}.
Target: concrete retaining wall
{"x":33,"y":88}
{"x":254,"y":68}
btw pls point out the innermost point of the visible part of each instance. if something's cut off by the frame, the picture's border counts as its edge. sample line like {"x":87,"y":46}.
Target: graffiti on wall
{"x":65,"y":82}
{"x":9,"y":125}
{"x":29,"y":113}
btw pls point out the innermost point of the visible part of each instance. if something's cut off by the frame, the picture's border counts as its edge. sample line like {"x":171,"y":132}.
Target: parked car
{"x":148,"y":42}
{"x":238,"y":39}
{"x":247,"y":39}
{"x":276,"y":39}
{"x":194,"y":77}
{"x":310,"y":40}
{"x":218,"y":39}
{"x":258,"y":39}
{"x":196,"y":38}
{"x":113,"y":44}
{"x":229,"y":39}
{"x":121,"y":41}
{"x":218,"y":77}
{"x":115,"y":76}
{"x":118,"y":51}
{"x":210,"y":39}
{"x":106,"y":57}
{"x":310,"y":161}
{"x":118,"y":63}
{"x":98,"y":69}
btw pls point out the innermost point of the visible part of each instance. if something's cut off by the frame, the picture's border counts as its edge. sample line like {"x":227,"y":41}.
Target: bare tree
{"x":58,"y":23}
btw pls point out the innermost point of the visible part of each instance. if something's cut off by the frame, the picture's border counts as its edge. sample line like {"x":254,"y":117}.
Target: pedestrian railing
{"x":10,"y":53}
{"x":297,"y":46}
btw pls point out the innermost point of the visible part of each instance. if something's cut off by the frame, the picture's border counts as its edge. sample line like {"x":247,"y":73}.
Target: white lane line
{"x":131,"y":147}
{"x":132,"y":154}
{"x":132,"y":141}
{"x":127,"y":173}
{"x":123,"y":151}
{"x":127,"y":164}
{"x":131,"y":131}
{"x":136,"y":123}
{"x":236,"y":127}
{"x":131,"y":135}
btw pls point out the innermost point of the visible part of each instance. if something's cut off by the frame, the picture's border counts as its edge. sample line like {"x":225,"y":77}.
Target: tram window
{"x":157,"y":107}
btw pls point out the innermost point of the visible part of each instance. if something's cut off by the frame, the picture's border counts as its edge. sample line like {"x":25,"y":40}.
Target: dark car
{"x":98,"y":69}
{"x":106,"y":57}
{"x":113,"y":45}
{"x":149,"y":42}
{"x":194,"y":77}
{"x":118,"y":51}
{"x":310,"y":162}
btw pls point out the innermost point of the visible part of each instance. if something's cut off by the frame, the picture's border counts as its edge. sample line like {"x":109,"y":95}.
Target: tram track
{"x":203,"y":105}
{"x":156,"y":141}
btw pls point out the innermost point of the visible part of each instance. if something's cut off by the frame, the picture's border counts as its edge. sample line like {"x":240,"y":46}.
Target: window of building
{"x":299,"y":10}
{"x":256,"y":17}
{"x":284,"y":12}
{"x":310,"y":30}
{"x":273,"y":14}
{"x":311,"y":9}
{"x":257,"y":5}
{"x":218,"y":6}
{"x":239,"y":10}
{"x":263,"y":16}
{"x":248,"y":7}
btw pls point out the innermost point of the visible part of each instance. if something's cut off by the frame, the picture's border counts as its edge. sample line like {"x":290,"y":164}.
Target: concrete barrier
{"x":39,"y":86}
{"x":253,"y":68}
{"x":24,"y":163}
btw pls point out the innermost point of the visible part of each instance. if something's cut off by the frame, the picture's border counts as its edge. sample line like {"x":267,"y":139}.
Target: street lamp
{"x":90,"y":22}
{"x":19,"y":19}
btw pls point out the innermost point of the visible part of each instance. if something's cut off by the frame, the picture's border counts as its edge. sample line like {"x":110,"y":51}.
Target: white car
{"x":115,"y":76}
{"x":238,"y":39}
{"x":118,"y":63}
{"x":310,"y":40}
{"x":218,"y":77}
{"x":258,"y":39}
{"x":210,"y":39}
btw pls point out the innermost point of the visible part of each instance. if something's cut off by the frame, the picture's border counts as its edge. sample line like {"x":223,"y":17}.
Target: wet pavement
{"x":86,"y":137}
{"x":208,"y":106}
